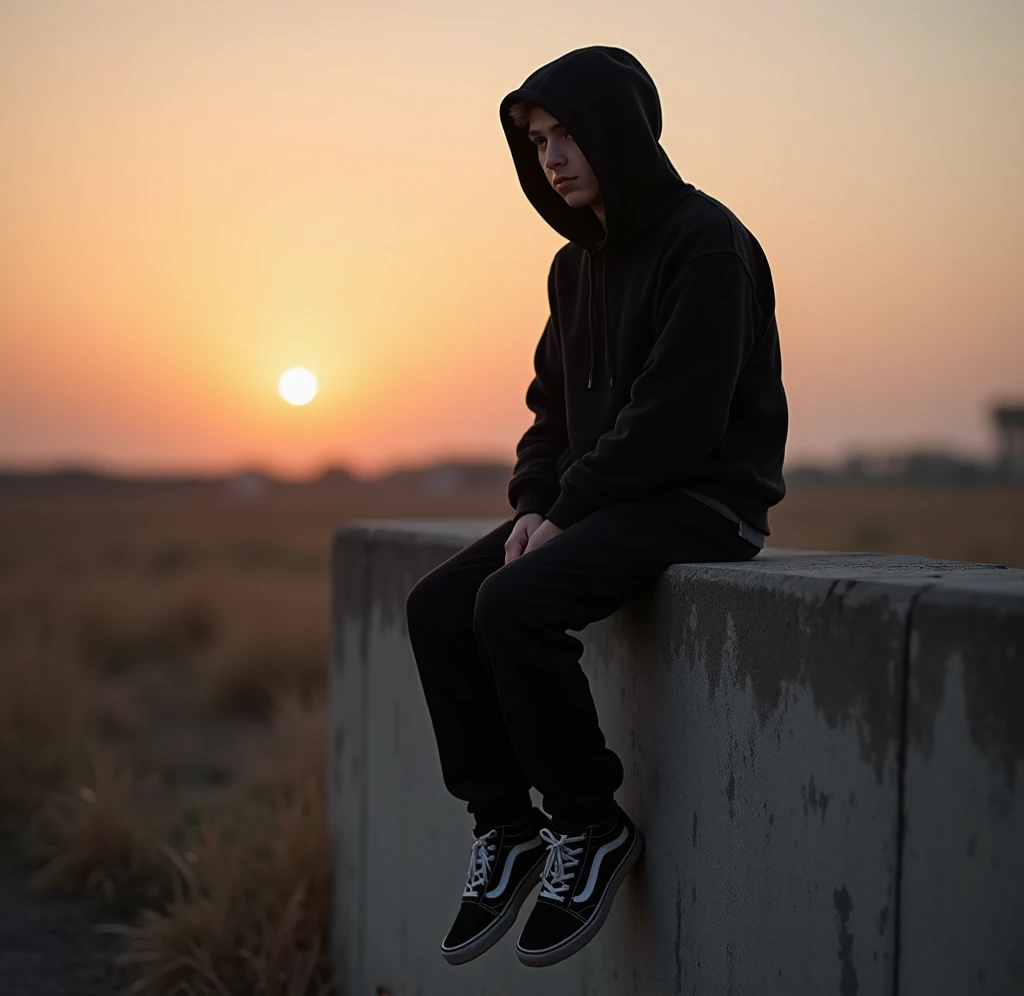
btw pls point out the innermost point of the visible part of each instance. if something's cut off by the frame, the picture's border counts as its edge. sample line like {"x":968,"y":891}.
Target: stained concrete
{"x":963,"y":867}
{"x":779,"y":725}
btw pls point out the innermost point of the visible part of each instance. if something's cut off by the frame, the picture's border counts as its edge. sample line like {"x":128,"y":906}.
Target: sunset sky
{"x":196,"y":196}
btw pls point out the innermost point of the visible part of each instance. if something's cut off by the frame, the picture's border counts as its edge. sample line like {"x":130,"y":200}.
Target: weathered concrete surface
{"x":759,"y":712}
{"x":963,"y":867}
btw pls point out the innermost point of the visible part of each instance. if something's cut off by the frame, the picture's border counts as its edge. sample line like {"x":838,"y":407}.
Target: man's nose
{"x":553,"y":159}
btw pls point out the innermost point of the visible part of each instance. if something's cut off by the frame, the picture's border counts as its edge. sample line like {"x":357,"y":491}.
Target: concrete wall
{"x":821,"y":751}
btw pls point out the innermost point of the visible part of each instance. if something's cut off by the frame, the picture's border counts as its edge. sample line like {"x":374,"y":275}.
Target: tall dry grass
{"x":101,"y":838}
{"x":164,"y":737}
{"x":251,"y":895}
{"x":42,"y":725}
{"x":226,"y":897}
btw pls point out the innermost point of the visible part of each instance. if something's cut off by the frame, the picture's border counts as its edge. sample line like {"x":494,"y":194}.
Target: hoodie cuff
{"x":568,"y":509}
{"x":533,"y":500}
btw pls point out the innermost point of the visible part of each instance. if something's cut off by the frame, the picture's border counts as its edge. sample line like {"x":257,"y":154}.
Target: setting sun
{"x":297,"y":386}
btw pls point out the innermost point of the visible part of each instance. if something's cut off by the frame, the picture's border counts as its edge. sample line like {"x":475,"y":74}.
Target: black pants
{"x":510,"y":705}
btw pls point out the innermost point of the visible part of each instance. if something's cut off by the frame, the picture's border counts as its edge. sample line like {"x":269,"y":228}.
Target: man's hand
{"x":531,"y":531}
{"x":525,"y":527}
{"x":542,"y":534}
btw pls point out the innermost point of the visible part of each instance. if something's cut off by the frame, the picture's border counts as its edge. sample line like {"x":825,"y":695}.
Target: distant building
{"x":443,"y":479}
{"x":1009,"y":422}
{"x":934,"y":468}
{"x":248,"y":484}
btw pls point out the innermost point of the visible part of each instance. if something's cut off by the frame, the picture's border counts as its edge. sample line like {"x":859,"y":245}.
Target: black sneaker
{"x":504,"y":866}
{"x":581,"y":875}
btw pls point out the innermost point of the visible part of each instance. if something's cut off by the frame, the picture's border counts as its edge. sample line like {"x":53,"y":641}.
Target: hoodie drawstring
{"x":590,"y":316}
{"x":604,"y":324}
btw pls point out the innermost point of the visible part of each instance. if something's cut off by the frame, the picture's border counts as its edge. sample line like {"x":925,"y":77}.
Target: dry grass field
{"x":163,"y":661}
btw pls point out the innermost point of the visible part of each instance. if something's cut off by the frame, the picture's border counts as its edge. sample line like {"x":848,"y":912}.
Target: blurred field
{"x":976,"y":524}
{"x":163,"y":662}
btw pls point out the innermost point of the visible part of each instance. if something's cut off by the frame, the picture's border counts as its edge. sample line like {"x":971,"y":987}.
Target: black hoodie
{"x":659,"y":367}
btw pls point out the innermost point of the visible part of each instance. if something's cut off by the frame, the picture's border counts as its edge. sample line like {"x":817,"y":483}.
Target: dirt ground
{"x":49,"y":945}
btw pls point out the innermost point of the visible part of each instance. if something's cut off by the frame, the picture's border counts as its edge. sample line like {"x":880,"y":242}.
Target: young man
{"x":659,"y":434}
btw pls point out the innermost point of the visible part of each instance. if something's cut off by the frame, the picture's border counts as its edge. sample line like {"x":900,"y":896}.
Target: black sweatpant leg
{"x":478,"y":761}
{"x":512,"y":707}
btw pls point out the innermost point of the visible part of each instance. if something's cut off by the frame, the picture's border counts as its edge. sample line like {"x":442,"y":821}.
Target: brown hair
{"x":519,"y":112}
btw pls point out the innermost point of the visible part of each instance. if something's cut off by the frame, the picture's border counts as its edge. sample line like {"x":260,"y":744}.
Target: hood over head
{"x":610,"y":105}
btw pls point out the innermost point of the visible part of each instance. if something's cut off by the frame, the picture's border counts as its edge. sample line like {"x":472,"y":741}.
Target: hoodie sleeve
{"x":534,"y":486}
{"x":705,"y":324}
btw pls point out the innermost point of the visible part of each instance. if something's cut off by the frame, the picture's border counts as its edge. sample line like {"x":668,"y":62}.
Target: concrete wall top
{"x":781,"y":561}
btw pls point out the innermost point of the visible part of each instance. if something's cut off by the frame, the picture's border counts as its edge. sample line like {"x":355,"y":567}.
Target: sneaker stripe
{"x":506,"y":872}
{"x":596,"y":866}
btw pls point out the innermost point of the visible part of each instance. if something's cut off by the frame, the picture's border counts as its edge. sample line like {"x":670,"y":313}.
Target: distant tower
{"x":1009,"y":421}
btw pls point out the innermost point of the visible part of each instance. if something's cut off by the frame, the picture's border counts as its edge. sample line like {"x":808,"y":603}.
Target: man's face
{"x":560,"y":156}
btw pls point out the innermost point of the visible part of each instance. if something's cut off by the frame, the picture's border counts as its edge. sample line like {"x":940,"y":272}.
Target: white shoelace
{"x":560,"y":861}
{"x":480,"y":858}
